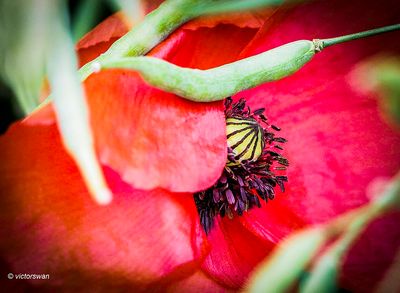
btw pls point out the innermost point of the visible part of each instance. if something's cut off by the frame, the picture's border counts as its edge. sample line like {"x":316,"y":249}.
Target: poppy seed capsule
{"x":245,"y":137}
{"x":249,"y":175}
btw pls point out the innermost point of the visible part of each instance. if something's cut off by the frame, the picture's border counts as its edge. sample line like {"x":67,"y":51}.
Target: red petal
{"x":234,"y":252}
{"x":101,"y":37}
{"x":157,"y":139}
{"x":273,"y":221}
{"x":50,"y":224}
{"x":87,"y":55}
{"x":198,"y":282}
{"x":253,"y":19}
{"x":205,"y":47}
{"x":206,"y":34}
{"x":337,"y":141}
{"x":153,"y":138}
{"x":250,"y":19}
{"x":114,"y":26}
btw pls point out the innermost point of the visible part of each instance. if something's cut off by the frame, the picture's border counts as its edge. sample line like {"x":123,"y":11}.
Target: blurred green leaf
{"x":70,"y":105}
{"x":86,"y":17}
{"x":218,"y":6}
{"x":132,"y":8}
{"x":281,"y":271}
{"x":23,"y":45}
{"x":284,"y":267}
{"x":388,"y":77}
{"x":323,"y":277}
{"x":381,"y":75}
{"x":35,"y":40}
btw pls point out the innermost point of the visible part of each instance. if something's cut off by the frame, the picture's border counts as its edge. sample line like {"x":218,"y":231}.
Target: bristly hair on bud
{"x":253,"y":154}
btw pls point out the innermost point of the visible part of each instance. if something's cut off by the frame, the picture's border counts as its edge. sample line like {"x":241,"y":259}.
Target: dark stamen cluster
{"x":243,"y":183}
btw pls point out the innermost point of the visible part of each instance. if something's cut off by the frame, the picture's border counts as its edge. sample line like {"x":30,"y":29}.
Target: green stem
{"x":162,"y":22}
{"x":389,"y":200}
{"x":326,"y":269}
{"x":143,"y":37}
{"x":158,"y":24}
{"x":323,"y":43}
{"x":220,"y":82}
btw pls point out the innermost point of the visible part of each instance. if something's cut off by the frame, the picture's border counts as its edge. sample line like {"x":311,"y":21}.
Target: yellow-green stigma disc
{"x":245,"y":138}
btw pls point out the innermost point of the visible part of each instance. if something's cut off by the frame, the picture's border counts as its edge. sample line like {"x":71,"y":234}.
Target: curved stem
{"x":220,"y":82}
{"x":161,"y":22}
{"x":143,"y":37}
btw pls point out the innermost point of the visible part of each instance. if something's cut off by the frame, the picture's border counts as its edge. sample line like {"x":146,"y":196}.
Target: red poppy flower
{"x":151,"y":239}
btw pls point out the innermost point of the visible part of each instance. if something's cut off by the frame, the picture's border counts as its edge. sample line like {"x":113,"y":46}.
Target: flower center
{"x":249,"y":172}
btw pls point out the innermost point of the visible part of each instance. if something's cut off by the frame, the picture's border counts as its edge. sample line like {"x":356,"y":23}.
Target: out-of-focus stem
{"x":271,"y":277}
{"x":72,"y":111}
{"x":325,"y":270}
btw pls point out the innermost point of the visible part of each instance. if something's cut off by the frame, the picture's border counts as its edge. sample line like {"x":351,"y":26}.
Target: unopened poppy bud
{"x":223,"y":81}
{"x":226,"y":80}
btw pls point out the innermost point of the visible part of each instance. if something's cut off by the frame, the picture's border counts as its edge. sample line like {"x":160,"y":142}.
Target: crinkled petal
{"x":249,"y":19}
{"x":205,"y":47}
{"x":99,"y":39}
{"x":152,"y":138}
{"x":114,"y":26}
{"x":50,"y":225}
{"x":107,"y":32}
